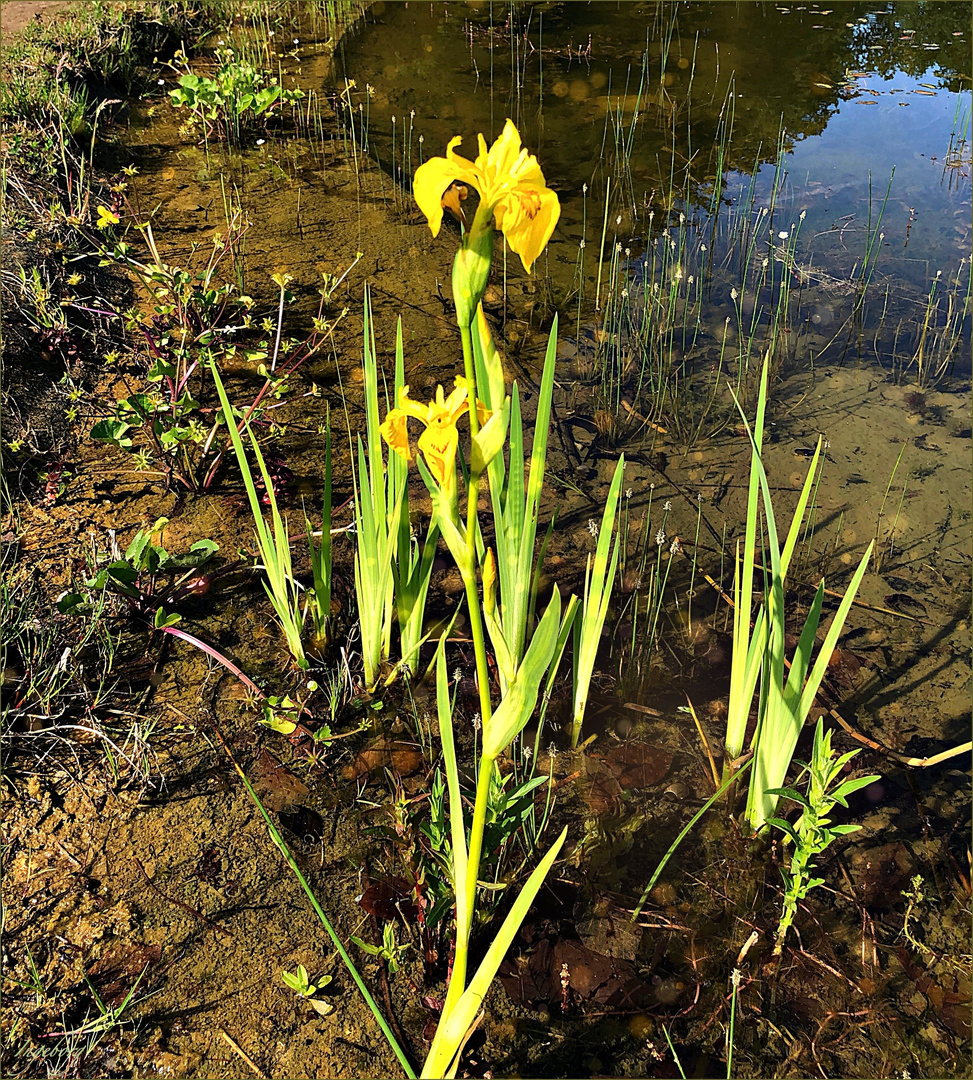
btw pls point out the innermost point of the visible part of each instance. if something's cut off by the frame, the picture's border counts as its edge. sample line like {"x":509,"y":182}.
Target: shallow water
{"x":849,"y":94}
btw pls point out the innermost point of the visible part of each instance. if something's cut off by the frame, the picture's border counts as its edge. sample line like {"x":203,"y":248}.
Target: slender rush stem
{"x":325,"y":921}
{"x":280,"y":327}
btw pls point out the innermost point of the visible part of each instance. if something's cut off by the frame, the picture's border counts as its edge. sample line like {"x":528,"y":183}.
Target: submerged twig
{"x":179,"y":903}
{"x":235,"y":1046}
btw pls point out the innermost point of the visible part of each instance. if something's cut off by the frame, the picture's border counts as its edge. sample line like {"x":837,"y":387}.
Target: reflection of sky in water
{"x":905,"y":131}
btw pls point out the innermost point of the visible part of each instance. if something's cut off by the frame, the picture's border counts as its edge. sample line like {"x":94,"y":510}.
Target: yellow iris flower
{"x":440,"y":439}
{"x":512,"y":191}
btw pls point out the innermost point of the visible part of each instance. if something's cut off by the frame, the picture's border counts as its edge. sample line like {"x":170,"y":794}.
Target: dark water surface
{"x":691,"y":107}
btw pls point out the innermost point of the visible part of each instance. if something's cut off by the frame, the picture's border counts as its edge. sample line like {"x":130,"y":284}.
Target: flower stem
{"x":477,"y":828}
{"x":476,"y":628}
{"x":470,"y":372}
{"x":464,"y":925}
{"x":473,"y":492}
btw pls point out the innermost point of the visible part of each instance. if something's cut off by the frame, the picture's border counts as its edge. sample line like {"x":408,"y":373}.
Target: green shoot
{"x":379,"y":494}
{"x":813,"y":832}
{"x":784,"y":703}
{"x":599,"y":581}
{"x":299,"y":982}
{"x":273,"y":542}
{"x":319,"y":601}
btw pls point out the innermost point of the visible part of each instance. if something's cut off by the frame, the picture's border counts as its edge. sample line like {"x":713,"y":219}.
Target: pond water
{"x":856,"y":118}
{"x":736,"y":181}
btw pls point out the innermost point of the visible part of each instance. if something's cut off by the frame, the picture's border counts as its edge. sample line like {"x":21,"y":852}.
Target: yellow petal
{"x":395,"y":431}
{"x":527,"y":218}
{"x":456,"y":404}
{"x":483,"y":414}
{"x":511,"y":185}
{"x":106,"y":217}
{"x":434,"y":176}
{"x":438,"y":445}
{"x":506,"y":154}
{"x":410,"y":407}
{"x":488,"y":441}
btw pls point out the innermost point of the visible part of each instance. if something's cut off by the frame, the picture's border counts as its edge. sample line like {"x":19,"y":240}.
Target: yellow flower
{"x":106,"y":218}
{"x":440,"y":439}
{"x":512,"y":191}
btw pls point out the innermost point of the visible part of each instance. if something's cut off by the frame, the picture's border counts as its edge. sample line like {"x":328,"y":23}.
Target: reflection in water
{"x":750,"y":119}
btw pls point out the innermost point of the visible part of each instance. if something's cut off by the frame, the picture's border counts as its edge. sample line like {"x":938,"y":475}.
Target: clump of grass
{"x":598,"y":585}
{"x":63,"y":688}
{"x":60,"y":80}
{"x":787,"y":689}
{"x":273,"y":541}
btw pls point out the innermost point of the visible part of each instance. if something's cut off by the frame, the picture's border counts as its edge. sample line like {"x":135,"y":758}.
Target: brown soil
{"x":16,"y":14}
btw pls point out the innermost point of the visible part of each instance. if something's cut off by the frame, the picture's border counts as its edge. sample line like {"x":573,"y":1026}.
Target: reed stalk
{"x":273,"y":541}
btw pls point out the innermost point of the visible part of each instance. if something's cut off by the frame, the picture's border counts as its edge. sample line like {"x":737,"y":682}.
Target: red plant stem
{"x":210,"y":651}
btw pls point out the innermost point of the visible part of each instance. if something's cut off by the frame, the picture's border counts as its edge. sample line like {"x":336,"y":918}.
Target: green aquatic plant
{"x":137,"y":576}
{"x":273,"y":540}
{"x":787,"y":689}
{"x":233,"y":99}
{"x":514,"y":570}
{"x":318,"y":601}
{"x":390,"y":952}
{"x":813,"y":833}
{"x":301,"y":984}
{"x":514,"y":198}
{"x":648,"y":579}
{"x":598,"y":584}
{"x":136,"y":579}
{"x":198,"y":318}
{"x":379,"y":493}
{"x":946,"y":313}
{"x":464,"y":999}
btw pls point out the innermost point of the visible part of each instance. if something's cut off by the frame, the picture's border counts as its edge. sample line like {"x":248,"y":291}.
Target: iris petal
{"x":438,"y":446}
{"x":434,"y":176}
{"x":395,"y":431}
{"x":511,"y":186}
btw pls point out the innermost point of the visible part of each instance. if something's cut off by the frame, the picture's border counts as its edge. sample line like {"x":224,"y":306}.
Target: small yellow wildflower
{"x":106,"y":218}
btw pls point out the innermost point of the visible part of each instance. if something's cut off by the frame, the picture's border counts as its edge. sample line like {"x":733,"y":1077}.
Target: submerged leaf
{"x":638,"y":765}
{"x":276,"y":785}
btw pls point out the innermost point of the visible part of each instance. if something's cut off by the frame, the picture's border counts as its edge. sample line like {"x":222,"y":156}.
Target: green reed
{"x":273,"y":541}
{"x":944,"y":325}
{"x":599,"y":582}
{"x":319,"y":598}
{"x":380,"y":490}
{"x":787,"y":688}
